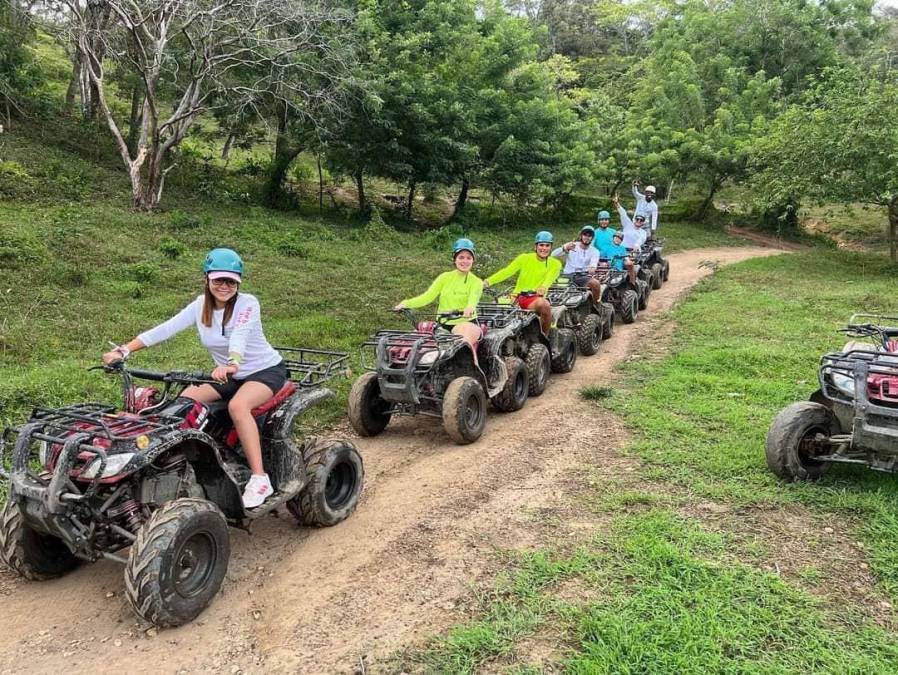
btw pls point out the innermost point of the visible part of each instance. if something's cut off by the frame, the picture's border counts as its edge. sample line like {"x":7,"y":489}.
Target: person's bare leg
{"x":204,"y":393}
{"x":631,"y":270}
{"x":249,"y":396}
{"x":544,"y":309}
{"x":469,"y":331}
{"x":596,"y":289}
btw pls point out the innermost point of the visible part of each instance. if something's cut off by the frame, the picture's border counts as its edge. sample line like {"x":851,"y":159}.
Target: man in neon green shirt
{"x":536,"y":272}
{"x":459,"y":290}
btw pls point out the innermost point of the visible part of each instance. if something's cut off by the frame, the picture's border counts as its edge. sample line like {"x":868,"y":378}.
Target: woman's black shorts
{"x":273,"y":377}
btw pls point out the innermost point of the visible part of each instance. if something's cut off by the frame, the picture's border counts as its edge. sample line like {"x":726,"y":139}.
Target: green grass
{"x":657,"y":594}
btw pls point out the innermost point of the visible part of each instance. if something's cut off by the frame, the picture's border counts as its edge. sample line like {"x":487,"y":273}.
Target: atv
{"x":429,"y":371}
{"x":163,"y":476}
{"x":659,"y":265}
{"x":619,"y":292}
{"x":853,"y":417}
{"x":573,"y":308}
{"x":560,"y":341}
{"x":645,"y":276}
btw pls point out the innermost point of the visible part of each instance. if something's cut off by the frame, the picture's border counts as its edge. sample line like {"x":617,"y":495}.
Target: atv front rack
{"x":869,"y":372}
{"x":312,"y":367}
{"x":499,"y":315}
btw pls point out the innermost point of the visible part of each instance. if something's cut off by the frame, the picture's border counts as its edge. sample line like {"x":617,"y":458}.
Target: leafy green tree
{"x":839,"y":144}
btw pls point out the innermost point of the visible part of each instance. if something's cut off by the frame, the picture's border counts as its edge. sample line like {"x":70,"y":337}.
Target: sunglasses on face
{"x":230,"y":283}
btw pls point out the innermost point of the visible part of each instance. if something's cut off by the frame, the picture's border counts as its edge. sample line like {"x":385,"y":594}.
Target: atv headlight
{"x":614,"y":282}
{"x":844,"y":383}
{"x":114,"y":465}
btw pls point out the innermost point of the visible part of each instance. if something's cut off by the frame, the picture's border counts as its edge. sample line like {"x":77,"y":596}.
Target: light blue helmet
{"x":588,"y":228}
{"x":223,"y":260}
{"x":543,"y":237}
{"x":603,"y":215}
{"x":463,"y":244}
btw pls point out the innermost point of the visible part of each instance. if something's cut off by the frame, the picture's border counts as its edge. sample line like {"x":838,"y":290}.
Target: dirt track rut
{"x":431,"y":518}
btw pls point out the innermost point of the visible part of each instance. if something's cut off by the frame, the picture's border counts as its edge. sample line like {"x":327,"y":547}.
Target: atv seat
{"x":282,"y":395}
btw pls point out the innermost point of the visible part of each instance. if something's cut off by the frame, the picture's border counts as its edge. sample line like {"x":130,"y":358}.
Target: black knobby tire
{"x":665,"y":271}
{"x":29,"y":553}
{"x":564,"y":360}
{"x":788,"y":434}
{"x":539,"y":364}
{"x":589,"y":335}
{"x":368,"y":411}
{"x":178,"y":562}
{"x":336,"y":473}
{"x":646,"y":289}
{"x":608,"y":327}
{"x":657,"y":276}
{"x":464,"y":410}
{"x":629,"y":306}
{"x":514,"y":394}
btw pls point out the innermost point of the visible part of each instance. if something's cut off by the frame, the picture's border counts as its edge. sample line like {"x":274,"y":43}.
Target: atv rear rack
{"x":312,"y":367}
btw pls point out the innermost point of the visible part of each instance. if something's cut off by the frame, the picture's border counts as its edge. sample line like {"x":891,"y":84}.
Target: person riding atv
{"x":458,"y":290}
{"x":248,"y":370}
{"x":582,"y":258}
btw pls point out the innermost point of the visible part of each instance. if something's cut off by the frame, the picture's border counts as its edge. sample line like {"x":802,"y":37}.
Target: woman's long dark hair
{"x":209,"y":307}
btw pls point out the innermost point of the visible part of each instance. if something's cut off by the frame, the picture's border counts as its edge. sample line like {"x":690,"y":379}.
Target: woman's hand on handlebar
{"x":468,"y":311}
{"x":221,"y":374}
{"x":399,"y":307}
{"x":112,"y":357}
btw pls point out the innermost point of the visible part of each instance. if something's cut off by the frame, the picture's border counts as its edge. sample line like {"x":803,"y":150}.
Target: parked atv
{"x":645,"y":277}
{"x":431,"y":371}
{"x":163,"y":476}
{"x":573,"y":308}
{"x":652,"y":251}
{"x":561,"y":341}
{"x":619,"y":292}
{"x":853,"y":417}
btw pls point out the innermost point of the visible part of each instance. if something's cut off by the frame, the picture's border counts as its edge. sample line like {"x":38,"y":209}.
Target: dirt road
{"x":432,"y":518}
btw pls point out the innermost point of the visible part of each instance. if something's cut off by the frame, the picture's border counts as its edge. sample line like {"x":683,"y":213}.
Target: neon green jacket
{"x":532,"y":272}
{"x":455,"y":290}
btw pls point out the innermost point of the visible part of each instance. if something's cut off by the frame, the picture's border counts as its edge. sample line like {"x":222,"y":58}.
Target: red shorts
{"x":524,"y":301}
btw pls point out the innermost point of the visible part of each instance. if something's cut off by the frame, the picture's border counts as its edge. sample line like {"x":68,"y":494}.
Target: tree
{"x":189,"y":49}
{"x":839,"y":144}
{"x":18,"y":77}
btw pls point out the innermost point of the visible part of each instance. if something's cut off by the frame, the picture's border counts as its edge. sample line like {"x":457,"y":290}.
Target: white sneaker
{"x":257,"y":490}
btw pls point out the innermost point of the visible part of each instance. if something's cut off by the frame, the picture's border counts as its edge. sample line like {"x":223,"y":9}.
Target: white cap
{"x":650,"y":188}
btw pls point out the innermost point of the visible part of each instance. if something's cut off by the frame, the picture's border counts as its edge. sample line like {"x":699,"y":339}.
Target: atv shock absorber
{"x":130,"y":511}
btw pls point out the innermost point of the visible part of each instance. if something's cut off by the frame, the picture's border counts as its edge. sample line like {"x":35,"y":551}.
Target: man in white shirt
{"x":581,"y":260}
{"x":645,"y":203}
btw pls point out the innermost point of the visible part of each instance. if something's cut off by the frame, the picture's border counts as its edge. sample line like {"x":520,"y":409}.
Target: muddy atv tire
{"x":657,"y":279}
{"x":464,"y":410}
{"x":629,"y":303}
{"x":665,"y":271}
{"x":564,"y":360}
{"x":539,"y":364}
{"x":514,"y":394}
{"x":646,"y":290}
{"x":29,"y":553}
{"x":787,"y":440}
{"x":589,"y":335}
{"x":178,"y":562}
{"x":368,"y":411}
{"x":336,"y":474}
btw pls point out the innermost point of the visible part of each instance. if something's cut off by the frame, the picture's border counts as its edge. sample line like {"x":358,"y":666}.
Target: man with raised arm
{"x":646,"y":204}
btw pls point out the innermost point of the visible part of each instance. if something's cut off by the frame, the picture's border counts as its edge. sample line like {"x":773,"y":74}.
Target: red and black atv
{"x":853,"y":417}
{"x":163,"y":477}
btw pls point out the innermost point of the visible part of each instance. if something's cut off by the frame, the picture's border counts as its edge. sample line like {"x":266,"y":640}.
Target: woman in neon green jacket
{"x":458,"y":291}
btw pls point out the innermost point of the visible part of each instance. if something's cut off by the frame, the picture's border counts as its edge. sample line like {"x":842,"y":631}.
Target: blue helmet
{"x":463,"y":244}
{"x":223,"y":260}
{"x":603,"y":215}
{"x":543,"y":237}
{"x":588,"y":228}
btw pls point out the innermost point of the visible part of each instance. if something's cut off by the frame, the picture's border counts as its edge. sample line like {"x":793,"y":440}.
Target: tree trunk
{"x":134,"y":121}
{"x":893,"y":228}
{"x":462,"y":199}
{"x":411,"y":200}
{"x":360,"y":188}
{"x":320,"y":183}
{"x":284,"y":154}
{"x":74,"y":83}
{"x":228,"y":144}
{"x":703,"y":209}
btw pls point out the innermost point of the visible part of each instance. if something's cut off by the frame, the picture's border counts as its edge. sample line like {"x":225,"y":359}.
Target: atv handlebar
{"x":171,"y":377}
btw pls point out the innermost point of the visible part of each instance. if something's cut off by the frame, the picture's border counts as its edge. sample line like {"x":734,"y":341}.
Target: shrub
{"x":144,"y":273}
{"x":15,"y":182}
{"x":19,"y":249}
{"x":172,"y":248}
{"x":183,"y":221}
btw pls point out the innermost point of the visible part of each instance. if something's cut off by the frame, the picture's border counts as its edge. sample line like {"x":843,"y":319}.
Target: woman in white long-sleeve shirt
{"x":249,"y":371}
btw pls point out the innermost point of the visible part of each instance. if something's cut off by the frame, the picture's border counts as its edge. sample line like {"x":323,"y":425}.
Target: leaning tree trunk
{"x":893,"y":228}
{"x":462,"y":199}
{"x":228,"y":144}
{"x":285,"y":151}
{"x":135,"y":119}
{"x":703,"y":209}
{"x":360,"y":188}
